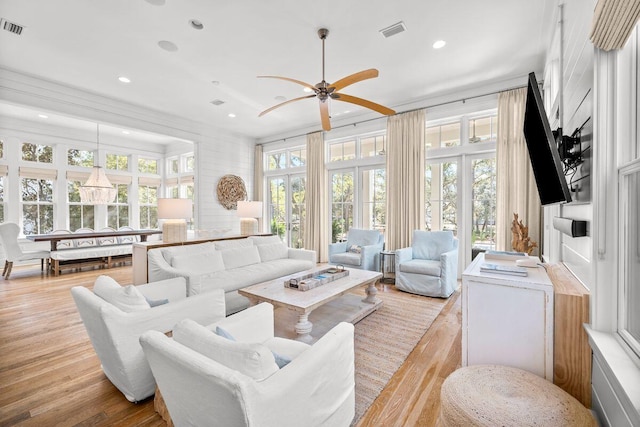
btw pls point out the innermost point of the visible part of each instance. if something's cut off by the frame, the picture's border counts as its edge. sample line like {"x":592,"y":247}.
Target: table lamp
{"x":248,"y":213}
{"x":175,"y":212}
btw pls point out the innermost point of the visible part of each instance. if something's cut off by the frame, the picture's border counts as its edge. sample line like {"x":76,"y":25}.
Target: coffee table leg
{"x":303,"y":328}
{"x":371,"y":294}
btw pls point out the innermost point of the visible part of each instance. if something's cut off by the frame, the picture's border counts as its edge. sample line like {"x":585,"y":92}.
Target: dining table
{"x":56,"y":237}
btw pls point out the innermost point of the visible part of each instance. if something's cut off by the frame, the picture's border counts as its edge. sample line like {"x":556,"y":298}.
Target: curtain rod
{"x":463,"y":100}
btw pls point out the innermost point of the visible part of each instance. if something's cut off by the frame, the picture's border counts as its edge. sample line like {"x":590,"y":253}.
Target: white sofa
{"x":116,"y":316}
{"x":208,"y":380}
{"x":229,"y":265}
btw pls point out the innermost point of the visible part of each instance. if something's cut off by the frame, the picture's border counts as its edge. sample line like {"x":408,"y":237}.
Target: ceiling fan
{"x":325,"y":91}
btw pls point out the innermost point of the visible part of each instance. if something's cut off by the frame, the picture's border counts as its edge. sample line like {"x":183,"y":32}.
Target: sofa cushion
{"x":422,"y":266}
{"x":239,"y":257}
{"x":170,"y":252}
{"x":251,"y":359}
{"x":271,"y":251}
{"x":233,"y":244}
{"x":265,"y":240}
{"x":358,"y":237}
{"x":349,"y":258}
{"x":199,"y":263}
{"x":126,"y":298}
{"x":431,"y":244}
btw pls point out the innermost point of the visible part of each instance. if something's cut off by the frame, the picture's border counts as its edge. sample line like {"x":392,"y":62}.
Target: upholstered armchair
{"x":235,"y":373}
{"x":430,"y":266}
{"x":361,"y":250}
{"x":13,"y":253}
{"x":115,"y":316}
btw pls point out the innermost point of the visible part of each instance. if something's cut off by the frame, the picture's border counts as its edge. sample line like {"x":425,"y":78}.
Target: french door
{"x":286,"y":203}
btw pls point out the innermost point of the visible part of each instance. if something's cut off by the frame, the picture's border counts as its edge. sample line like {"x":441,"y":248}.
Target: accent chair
{"x":361,"y":250}
{"x":9,"y":237}
{"x":239,"y":375}
{"x":430,"y":265}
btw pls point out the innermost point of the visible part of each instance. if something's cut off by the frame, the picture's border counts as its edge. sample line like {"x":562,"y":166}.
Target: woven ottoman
{"x":489,"y":395}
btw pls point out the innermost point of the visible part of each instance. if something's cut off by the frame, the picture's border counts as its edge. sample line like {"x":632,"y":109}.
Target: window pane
{"x":298,"y":158}
{"x":483,"y":192}
{"x":373,"y":199}
{"x":433,"y":137}
{"x":342,"y":151}
{"x":482,"y":129}
{"x":82,"y":158}
{"x":441,"y":196}
{"x":190,"y":162}
{"x":450,"y":136}
{"x":342,"y":206}
{"x":631,"y":260}
{"x":372,"y":146}
{"x":37,"y":153}
{"x":298,"y":187}
{"x":277,"y":161}
{"x":148,"y":166}
{"x":277,"y":207}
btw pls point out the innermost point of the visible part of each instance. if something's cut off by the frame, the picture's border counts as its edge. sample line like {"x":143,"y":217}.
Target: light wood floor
{"x":50,"y":375}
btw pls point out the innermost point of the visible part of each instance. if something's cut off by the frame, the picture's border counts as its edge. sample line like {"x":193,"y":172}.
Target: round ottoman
{"x":489,"y":395}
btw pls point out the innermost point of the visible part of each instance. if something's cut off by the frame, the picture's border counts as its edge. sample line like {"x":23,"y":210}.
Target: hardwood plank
{"x":50,"y":375}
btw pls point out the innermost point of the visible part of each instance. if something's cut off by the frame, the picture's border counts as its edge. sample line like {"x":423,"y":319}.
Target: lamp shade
{"x":97,"y":190}
{"x":249,"y":209}
{"x":174,"y":208}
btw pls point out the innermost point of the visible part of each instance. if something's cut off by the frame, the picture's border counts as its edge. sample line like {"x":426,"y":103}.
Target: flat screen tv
{"x":543,"y":151}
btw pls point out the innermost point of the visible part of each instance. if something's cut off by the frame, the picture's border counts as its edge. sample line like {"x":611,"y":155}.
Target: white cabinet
{"x":507,"y":319}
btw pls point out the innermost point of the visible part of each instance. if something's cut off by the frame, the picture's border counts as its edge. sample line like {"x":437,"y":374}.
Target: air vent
{"x":217,"y":102}
{"x":11,"y":27}
{"x":393,"y":30}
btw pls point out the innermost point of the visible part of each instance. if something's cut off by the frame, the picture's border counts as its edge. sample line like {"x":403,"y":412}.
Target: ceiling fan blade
{"x":354,"y":78}
{"x":285,"y":103}
{"x":310,"y":86}
{"x":324,"y":115}
{"x":364,"y":103}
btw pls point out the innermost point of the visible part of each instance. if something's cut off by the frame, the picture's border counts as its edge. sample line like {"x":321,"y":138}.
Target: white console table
{"x":507,"y":319}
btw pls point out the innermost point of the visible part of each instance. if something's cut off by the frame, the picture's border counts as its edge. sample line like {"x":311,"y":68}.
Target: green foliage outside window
{"x":37,"y":153}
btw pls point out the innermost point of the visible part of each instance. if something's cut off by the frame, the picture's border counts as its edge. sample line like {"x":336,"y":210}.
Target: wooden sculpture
{"x":520,"y":240}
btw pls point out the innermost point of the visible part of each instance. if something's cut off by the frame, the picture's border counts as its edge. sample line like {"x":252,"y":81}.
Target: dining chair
{"x":9,"y":237}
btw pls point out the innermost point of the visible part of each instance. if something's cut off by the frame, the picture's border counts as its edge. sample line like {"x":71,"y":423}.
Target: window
{"x":277,"y":160}
{"x":372,"y":146}
{"x":340,"y":151}
{"x":37,"y":205}
{"x":117,"y":162}
{"x":148,"y":202}
{"x":277,"y":206}
{"x":298,"y":158}
{"x":190,"y":162}
{"x":441,"y":195}
{"x":629,"y":233}
{"x":483,"y":194}
{"x":446,"y":135}
{"x":173,"y":166}
{"x":483,"y":129}
{"x":147,"y":165}
{"x":80,"y":215}
{"x":82,"y":158}
{"x":342,"y":200}
{"x":1,"y":149}
{"x":118,"y":212}
{"x":374,"y":199}
{"x":2,"y":178}
{"x":37,"y":153}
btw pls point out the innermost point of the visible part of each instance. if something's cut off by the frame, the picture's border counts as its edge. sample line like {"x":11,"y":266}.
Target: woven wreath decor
{"x":230,"y":190}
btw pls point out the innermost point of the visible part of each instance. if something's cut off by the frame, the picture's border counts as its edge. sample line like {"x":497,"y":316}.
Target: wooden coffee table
{"x":332,"y":301}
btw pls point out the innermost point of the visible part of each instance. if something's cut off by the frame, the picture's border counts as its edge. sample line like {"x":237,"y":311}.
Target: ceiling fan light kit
{"x":325,"y":91}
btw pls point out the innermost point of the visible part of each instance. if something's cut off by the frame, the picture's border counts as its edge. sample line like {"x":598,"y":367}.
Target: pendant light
{"x":97,"y":190}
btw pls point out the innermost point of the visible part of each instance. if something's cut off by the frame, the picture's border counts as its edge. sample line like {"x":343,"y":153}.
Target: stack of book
{"x":503,"y":269}
{"x":505,"y":255}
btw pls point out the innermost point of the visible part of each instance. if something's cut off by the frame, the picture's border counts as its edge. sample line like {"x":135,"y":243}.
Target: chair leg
{"x":6,"y":277}
{"x":6,"y":264}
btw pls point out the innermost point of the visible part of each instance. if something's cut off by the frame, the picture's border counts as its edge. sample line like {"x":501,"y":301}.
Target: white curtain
{"x":316,"y":230}
{"x":516,"y":186}
{"x":258,"y":177}
{"x":405,"y":178}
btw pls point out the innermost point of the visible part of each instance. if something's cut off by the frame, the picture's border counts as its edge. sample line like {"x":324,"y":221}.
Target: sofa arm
{"x":172,"y":289}
{"x":337,"y":248}
{"x":403,"y":255}
{"x":313,"y":387}
{"x":302,"y":254}
{"x":371,"y":257}
{"x":255,"y":324}
{"x":449,"y":262}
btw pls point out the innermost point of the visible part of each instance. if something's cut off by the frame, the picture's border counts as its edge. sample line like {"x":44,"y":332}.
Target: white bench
{"x":96,"y":255}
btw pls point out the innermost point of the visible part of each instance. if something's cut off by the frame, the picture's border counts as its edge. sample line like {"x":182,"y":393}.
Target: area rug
{"x":384,"y":339}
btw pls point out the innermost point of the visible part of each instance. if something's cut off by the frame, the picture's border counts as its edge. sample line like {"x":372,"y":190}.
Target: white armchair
{"x":430,"y":265}
{"x":361,"y":250}
{"x":9,"y":238}
{"x":115,"y":320}
{"x":208,"y":380}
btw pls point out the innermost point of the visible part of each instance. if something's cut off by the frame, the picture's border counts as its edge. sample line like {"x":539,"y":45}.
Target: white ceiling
{"x":89,"y":44}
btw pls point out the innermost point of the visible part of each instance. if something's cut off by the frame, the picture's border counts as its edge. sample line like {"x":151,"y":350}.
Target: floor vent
{"x":393,"y":30}
{"x":11,"y":27}
{"x":217,"y":102}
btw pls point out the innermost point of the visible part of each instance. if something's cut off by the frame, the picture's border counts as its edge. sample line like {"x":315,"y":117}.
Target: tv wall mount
{"x":570,"y":147}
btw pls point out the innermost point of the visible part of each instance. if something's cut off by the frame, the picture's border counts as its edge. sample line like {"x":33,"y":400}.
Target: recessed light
{"x":43,"y":116}
{"x":196,"y":24}
{"x":280,"y":98}
{"x":167,"y":45}
{"x":126,"y":132}
{"x":124,"y":79}
{"x":439,"y":44}
{"x":231,"y":115}
{"x":306,"y":89}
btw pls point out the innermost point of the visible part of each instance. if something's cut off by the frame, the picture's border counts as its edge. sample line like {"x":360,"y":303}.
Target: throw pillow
{"x":280,"y":359}
{"x":199,"y":263}
{"x":253,"y":360}
{"x":126,"y":298}
{"x":265,"y":240}
{"x":156,"y":302}
{"x":355,"y":249}
{"x":273,"y":251}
